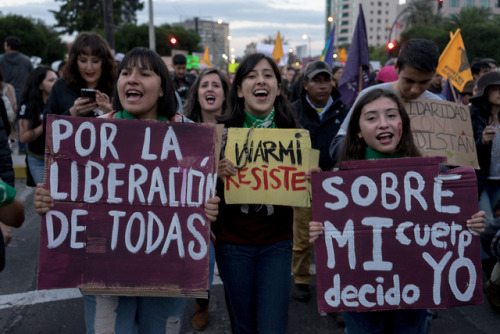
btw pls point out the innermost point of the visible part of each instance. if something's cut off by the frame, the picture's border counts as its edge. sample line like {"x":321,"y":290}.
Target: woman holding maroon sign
{"x":254,"y":241}
{"x":380,"y":129}
{"x":144,"y":91}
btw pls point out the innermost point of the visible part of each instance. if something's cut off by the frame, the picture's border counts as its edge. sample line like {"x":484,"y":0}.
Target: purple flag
{"x":329,"y":49}
{"x":447,"y":93}
{"x":357,"y":58}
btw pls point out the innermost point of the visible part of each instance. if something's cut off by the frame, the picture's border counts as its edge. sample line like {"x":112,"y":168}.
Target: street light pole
{"x":152,"y":38}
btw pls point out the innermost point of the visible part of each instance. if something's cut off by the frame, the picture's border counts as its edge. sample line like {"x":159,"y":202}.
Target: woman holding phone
{"x":90,"y":67}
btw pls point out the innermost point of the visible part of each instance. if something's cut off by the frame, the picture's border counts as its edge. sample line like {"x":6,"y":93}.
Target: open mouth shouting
{"x":261,"y":94}
{"x":210,"y":98}
{"x":385,"y":138}
{"x":133,"y":95}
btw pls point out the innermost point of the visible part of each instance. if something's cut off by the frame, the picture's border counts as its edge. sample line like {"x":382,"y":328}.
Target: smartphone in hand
{"x":88,"y":93}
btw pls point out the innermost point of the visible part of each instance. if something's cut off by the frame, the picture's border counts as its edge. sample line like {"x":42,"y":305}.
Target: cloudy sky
{"x":249,"y":20}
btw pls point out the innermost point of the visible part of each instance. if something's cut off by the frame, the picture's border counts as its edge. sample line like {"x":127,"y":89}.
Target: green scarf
{"x":259,"y":122}
{"x":122,"y":114}
{"x":371,"y":154}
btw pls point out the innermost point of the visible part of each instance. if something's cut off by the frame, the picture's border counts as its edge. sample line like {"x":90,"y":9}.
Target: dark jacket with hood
{"x":322,"y":130}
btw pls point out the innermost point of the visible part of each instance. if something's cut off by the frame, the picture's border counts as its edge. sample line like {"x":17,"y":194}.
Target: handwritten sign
{"x":129,"y":212}
{"x":442,"y":128}
{"x":271,"y":166}
{"x":396,"y":236}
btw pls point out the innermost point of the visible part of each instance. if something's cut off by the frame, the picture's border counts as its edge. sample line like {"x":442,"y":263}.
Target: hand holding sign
{"x":396,"y":236}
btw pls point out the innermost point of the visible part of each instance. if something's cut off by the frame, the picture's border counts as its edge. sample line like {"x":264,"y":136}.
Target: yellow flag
{"x":453,"y":63}
{"x":278,"y":49}
{"x":206,"y":58}
{"x":342,"y":55}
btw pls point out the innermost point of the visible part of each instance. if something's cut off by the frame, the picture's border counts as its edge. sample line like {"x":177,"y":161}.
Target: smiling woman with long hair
{"x":254,"y":241}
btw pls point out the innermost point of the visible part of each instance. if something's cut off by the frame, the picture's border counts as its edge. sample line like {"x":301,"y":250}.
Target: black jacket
{"x":322,"y":131}
{"x":483,"y":150}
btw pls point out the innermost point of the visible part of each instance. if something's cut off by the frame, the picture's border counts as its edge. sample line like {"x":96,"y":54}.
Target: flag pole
{"x":360,"y":79}
{"x":452,"y":91}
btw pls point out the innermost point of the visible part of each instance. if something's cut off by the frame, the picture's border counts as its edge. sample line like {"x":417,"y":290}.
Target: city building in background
{"x":379,"y":17}
{"x":215,"y":34}
{"x":385,"y":18}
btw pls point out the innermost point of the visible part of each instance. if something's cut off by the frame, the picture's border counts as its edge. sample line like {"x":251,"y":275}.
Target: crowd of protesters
{"x":258,"y":245}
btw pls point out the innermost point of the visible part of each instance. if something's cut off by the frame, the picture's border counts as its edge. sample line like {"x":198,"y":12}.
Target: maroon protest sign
{"x":129,"y":206}
{"x":396,"y":236}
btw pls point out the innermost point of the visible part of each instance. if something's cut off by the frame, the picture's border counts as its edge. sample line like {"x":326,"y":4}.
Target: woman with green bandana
{"x":144,"y":92}
{"x":254,"y":242}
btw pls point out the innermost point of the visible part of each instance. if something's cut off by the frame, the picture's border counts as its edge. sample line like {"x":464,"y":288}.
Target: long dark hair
{"x":31,"y":96}
{"x":354,"y":147}
{"x":192,"y":110}
{"x":483,"y":105}
{"x":284,"y":116}
{"x":146,"y":58}
{"x":98,"y":47}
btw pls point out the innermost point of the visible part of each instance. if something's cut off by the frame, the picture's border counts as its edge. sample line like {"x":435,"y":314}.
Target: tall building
{"x":453,"y":7}
{"x":214,"y":34}
{"x":380,"y":15}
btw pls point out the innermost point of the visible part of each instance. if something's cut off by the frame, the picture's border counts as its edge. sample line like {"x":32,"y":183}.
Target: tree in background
{"x":37,"y":39}
{"x":469,"y":16}
{"x":79,"y":15}
{"x":480,"y":31}
{"x":420,"y":12}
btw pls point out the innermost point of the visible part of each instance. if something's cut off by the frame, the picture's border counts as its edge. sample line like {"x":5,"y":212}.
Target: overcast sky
{"x":249,"y":20}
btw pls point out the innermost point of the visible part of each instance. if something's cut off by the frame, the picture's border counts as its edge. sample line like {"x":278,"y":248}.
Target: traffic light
{"x":391,"y":46}
{"x":173,"y":40}
{"x":440,"y":4}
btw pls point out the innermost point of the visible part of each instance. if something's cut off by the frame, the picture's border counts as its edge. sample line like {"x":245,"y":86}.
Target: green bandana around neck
{"x":371,"y":154}
{"x":259,"y":122}
{"x":122,"y":114}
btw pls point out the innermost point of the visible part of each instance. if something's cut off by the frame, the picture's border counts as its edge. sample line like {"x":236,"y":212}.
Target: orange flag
{"x":206,"y":58}
{"x":453,"y":63}
{"x":278,"y":49}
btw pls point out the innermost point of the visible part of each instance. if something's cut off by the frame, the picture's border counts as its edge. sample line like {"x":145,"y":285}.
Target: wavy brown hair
{"x":96,"y":45}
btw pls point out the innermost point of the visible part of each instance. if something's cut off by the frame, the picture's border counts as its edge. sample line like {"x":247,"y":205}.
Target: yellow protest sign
{"x":453,"y":63}
{"x":443,"y":128}
{"x":271,"y":166}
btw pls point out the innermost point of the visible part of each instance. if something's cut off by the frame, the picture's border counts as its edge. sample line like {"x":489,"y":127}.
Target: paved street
{"x":25,"y":310}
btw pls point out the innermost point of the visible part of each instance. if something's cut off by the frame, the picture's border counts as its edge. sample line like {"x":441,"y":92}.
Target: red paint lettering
{"x":287,"y":171}
{"x":229,"y":179}
{"x":241,"y":176}
{"x":298,"y":178}
{"x":257,"y":178}
{"x":275,"y":178}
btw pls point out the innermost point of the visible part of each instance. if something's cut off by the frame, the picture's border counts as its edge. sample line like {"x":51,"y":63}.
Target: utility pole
{"x":108,"y":23}
{"x":152,"y":38}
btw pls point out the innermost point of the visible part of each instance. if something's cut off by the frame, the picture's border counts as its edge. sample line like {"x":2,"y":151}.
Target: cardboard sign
{"x":271,"y":166}
{"x":129,"y":214}
{"x":396,"y":236}
{"x":443,"y":128}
